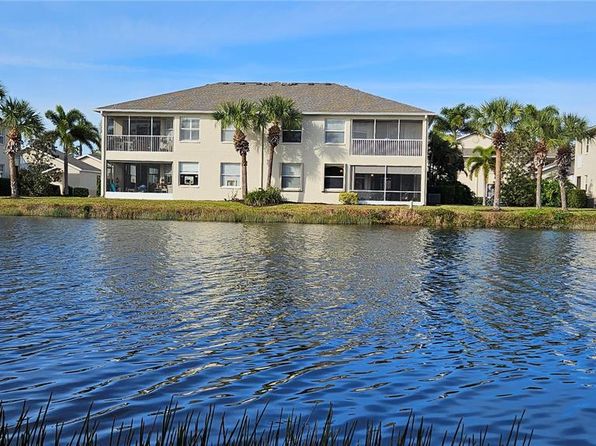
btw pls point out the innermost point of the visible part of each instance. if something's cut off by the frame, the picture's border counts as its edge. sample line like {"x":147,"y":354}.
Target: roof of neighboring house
{"x":309,"y":98}
{"x":77,"y":163}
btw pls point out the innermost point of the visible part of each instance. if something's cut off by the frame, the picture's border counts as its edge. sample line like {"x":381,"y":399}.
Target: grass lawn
{"x":431,"y":216}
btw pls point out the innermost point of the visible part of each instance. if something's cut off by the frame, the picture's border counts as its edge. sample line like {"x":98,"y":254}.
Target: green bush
{"x":518,"y":190}
{"x":577,"y":198}
{"x":348,"y":198}
{"x":4,"y":187}
{"x":78,"y":191}
{"x":454,"y":193}
{"x":264,"y":197}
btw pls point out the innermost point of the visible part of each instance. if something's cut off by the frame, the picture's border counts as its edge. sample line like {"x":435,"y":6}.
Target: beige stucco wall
{"x":312,"y":152}
{"x":585,"y":166}
{"x":3,"y":160}
{"x":475,"y":183}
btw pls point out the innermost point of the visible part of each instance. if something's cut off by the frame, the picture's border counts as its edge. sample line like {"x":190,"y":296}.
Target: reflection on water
{"x":476,"y":324}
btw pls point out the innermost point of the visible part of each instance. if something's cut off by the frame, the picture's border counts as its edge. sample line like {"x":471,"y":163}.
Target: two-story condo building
{"x":170,"y":147}
{"x":585,"y":167}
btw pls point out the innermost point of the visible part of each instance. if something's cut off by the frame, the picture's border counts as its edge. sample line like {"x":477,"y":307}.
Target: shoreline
{"x":221,"y":211}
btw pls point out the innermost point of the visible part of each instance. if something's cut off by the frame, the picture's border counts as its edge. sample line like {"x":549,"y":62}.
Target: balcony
{"x":386,"y":147}
{"x":140,"y":143}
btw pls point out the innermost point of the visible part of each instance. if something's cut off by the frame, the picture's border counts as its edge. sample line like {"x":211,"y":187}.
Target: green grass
{"x":430,"y":216}
{"x":168,"y":429}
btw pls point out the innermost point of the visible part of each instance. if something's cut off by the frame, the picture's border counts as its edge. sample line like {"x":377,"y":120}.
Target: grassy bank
{"x":430,"y":216}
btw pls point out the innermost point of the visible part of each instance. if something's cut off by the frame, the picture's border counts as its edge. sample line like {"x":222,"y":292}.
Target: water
{"x":477,"y":324}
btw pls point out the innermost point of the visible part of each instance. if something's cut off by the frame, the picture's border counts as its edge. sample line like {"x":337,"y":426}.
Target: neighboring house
{"x":3,"y":160}
{"x":169,"y":146}
{"x":82,"y":171}
{"x":475,"y":182}
{"x":585,"y":166}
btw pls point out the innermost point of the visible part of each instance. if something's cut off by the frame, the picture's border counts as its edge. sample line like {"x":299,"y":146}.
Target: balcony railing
{"x":387,"y":147}
{"x":140,"y":143}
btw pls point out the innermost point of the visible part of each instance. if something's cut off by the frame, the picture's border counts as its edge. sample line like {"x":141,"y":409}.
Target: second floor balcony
{"x":140,"y":134}
{"x":387,"y":137}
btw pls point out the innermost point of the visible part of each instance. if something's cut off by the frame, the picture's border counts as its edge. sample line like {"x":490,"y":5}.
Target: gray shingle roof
{"x":79,"y":164}
{"x":309,"y":98}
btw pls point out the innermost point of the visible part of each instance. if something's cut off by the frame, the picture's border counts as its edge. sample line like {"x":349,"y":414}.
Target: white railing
{"x":387,"y":147}
{"x":140,"y":143}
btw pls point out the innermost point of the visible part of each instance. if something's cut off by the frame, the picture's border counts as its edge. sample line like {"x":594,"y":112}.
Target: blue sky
{"x":427,"y":54}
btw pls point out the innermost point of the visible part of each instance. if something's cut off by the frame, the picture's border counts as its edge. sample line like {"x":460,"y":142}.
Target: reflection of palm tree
{"x":482,"y":159}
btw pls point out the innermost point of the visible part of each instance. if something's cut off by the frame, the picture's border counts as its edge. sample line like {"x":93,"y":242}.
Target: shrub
{"x":518,"y":190}
{"x":264,"y":197}
{"x":348,"y":198}
{"x":454,"y":193}
{"x":577,"y":198}
{"x":4,"y":187}
{"x":78,"y":191}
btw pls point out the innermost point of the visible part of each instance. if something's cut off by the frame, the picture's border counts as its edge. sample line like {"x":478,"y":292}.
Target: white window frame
{"x":301,"y":130}
{"x":198,"y":174}
{"x":221,"y":135}
{"x":221,"y":176}
{"x":291,"y":189}
{"x":192,"y":128}
{"x":343,"y":132}
{"x":334,"y":189}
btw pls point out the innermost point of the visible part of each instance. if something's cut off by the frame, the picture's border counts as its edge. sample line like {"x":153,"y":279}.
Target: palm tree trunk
{"x":485,"y":187}
{"x":497,"y":199}
{"x":244,"y":176}
{"x":539,"y":186}
{"x":563,"y":194}
{"x":12,"y":168}
{"x":65,"y":190}
{"x":270,"y":165}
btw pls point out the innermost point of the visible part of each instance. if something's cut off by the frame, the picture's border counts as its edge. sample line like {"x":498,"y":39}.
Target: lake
{"x":479,"y":324}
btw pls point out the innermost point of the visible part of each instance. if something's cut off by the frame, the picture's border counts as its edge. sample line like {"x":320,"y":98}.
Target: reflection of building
{"x":585,"y":166}
{"x":169,"y":146}
{"x":476,"y":182}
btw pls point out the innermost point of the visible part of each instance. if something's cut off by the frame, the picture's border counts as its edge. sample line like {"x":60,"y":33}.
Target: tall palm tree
{"x":571,"y":128}
{"x":2,"y":92}
{"x":240,"y":114}
{"x":282,"y":114}
{"x":540,"y":126}
{"x":71,"y":127}
{"x":454,"y":122}
{"x":20,"y":120}
{"x":495,"y":118}
{"x":482,"y":159}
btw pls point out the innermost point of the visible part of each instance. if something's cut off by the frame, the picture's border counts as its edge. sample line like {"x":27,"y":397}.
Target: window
{"x":410,"y":130}
{"x":189,"y":174}
{"x":363,"y":129}
{"x":1,"y":138}
{"x":387,"y":183}
{"x":291,"y":135}
{"x":230,"y":175}
{"x":334,"y":176}
{"x":578,"y":182}
{"x":227,"y":134}
{"x":334,"y":131}
{"x":587,"y":146}
{"x":189,"y":129}
{"x":291,"y":176}
{"x":1,"y":170}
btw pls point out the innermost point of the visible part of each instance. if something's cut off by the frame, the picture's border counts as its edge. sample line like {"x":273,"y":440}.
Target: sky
{"x":427,"y":54}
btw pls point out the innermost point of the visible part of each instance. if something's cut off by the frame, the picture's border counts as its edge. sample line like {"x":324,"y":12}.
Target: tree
{"x":242,"y":115}
{"x":454,"y":122}
{"x":482,"y":159}
{"x":36,"y":180}
{"x":20,"y":120}
{"x":282,"y":114}
{"x":71,"y":127}
{"x":570,"y":128}
{"x":445,"y":160}
{"x":540,"y":125}
{"x":496,"y":118}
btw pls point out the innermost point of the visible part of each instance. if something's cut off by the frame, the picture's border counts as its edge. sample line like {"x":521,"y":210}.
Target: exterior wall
{"x":80,"y":179}
{"x":3,"y":159}
{"x":91,"y":160}
{"x":475,"y":183}
{"x":313,"y":153}
{"x":585,"y":166}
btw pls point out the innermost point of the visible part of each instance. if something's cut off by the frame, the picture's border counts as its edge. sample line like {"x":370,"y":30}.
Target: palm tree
{"x":454,"y":122}
{"x":482,"y":159}
{"x":20,"y":120}
{"x":71,"y":127}
{"x":540,"y":125}
{"x":242,"y":115}
{"x":570,"y":128}
{"x":495,"y":118}
{"x":2,"y":92}
{"x":282,"y":114}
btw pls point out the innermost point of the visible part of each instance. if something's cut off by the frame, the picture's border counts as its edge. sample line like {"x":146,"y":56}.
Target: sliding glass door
{"x":387,"y":183}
